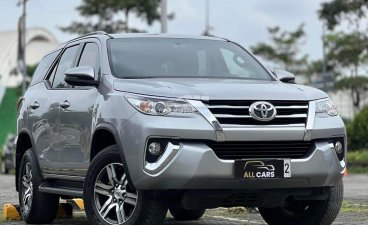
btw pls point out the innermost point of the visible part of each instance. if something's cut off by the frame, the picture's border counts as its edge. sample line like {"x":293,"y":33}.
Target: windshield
{"x":179,"y":57}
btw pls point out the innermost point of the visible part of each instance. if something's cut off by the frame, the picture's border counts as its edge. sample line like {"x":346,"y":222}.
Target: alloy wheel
{"x":27,"y":190}
{"x":115,"y":200}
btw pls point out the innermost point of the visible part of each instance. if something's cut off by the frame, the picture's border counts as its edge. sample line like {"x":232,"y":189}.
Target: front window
{"x":180,"y":57}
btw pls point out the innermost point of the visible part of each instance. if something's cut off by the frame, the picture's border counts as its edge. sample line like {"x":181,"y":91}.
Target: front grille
{"x":262,"y":150}
{"x":236,"y":112}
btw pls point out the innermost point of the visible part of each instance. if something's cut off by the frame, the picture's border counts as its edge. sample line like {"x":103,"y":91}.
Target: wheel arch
{"x":106,"y":130}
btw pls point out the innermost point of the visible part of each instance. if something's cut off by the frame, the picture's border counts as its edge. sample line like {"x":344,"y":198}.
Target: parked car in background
{"x":8,"y":155}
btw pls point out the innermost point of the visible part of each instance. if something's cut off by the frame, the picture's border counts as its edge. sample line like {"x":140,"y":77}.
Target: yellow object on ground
{"x":11,"y":212}
{"x":79,"y":203}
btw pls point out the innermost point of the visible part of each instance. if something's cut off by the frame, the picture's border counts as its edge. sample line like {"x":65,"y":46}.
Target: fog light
{"x":154,"y":148}
{"x":338,"y":147}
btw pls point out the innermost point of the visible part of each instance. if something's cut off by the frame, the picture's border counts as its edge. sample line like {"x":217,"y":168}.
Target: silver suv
{"x":140,"y":124}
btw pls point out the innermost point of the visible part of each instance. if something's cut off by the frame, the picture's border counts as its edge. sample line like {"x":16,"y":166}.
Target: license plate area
{"x":262,"y":169}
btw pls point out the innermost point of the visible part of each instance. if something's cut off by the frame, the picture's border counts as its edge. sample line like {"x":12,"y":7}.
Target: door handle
{"x":35,"y":105}
{"x":65,"y":104}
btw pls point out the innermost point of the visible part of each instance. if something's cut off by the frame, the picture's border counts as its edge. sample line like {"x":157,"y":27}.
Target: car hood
{"x":219,"y":89}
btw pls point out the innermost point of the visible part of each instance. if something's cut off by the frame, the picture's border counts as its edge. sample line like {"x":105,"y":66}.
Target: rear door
{"x":76,"y":116}
{"x":43,"y":120}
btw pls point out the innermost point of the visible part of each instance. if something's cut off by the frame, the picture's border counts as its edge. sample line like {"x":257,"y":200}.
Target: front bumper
{"x":193,"y":165}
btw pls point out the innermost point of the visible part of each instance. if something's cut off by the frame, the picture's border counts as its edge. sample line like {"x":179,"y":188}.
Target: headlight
{"x":159,"y":106}
{"x":326,"y":108}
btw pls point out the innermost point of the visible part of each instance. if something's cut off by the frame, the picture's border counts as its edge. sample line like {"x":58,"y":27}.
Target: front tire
{"x":186,"y":215}
{"x":111,"y":199}
{"x":321,"y":212}
{"x":35,"y":207}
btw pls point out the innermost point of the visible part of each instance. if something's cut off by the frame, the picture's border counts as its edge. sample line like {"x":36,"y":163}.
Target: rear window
{"x":182,"y":57}
{"x":43,"y":67}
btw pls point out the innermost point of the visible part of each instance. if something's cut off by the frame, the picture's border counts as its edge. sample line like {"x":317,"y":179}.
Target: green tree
{"x":357,"y":86}
{"x":337,"y":11}
{"x":113,"y":15}
{"x":284,"y":48}
{"x":31,"y":69}
{"x":347,"y":50}
{"x":358,"y":131}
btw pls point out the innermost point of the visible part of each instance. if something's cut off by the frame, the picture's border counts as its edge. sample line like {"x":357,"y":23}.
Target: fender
{"x":34,"y":151}
{"x":113,"y":131}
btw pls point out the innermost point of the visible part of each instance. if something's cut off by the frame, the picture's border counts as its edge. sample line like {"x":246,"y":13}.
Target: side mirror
{"x":284,"y":76}
{"x":81,"y":76}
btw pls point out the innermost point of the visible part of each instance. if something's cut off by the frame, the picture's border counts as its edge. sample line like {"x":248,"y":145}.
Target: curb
{"x":66,"y":207}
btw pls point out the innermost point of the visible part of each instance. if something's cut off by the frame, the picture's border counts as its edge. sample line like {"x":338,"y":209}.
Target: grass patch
{"x":358,"y":161}
{"x":350,"y":207}
{"x":357,"y":169}
{"x":2,"y":219}
{"x":357,"y":157}
{"x":235,"y":212}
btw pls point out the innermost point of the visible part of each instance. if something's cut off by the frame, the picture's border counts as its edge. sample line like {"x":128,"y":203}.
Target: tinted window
{"x":66,"y":62}
{"x":90,"y":57}
{"x":43,"y":67}
{"x":171,"y":57}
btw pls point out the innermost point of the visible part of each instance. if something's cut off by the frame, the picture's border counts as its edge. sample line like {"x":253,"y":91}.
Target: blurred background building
{"x":39,"y":41}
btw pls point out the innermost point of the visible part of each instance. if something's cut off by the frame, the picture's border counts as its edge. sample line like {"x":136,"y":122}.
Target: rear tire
{"x":307,"y":212}
{"x":185,"y":215}
{"x":111,"y":199}
{"x":35,"y":207}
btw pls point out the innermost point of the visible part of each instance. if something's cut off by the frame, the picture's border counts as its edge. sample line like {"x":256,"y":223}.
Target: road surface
{"x":355,"y":211}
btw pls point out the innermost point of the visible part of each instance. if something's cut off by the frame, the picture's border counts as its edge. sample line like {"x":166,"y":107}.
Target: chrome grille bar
{"x":236,"y":113}
{"x":227,"y":107}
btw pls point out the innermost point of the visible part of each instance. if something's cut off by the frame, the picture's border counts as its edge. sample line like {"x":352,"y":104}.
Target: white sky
{"x":243,"y":21}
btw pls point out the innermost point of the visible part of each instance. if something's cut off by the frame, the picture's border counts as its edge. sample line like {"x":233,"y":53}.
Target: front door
{"x":76,"y":111}
{"x":49,"y":156}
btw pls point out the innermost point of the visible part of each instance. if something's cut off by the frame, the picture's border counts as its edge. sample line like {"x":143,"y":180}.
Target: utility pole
{"x":163,"y":16}
{"x":324,"y":63}
{"x":22,"y":68}
{"x":208,"y":27}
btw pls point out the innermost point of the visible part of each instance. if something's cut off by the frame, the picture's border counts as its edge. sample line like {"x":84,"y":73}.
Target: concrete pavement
{"x":356,"y":196}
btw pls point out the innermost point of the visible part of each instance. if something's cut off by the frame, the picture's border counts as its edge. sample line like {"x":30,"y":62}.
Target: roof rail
{"x":89,"y":34}
{"x":95,"y":32}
